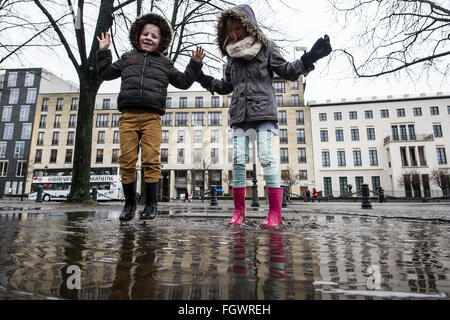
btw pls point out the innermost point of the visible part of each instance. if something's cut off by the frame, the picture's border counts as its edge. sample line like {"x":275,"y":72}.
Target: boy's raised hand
{"x":198,"y":54}
{"x":104,"y":41}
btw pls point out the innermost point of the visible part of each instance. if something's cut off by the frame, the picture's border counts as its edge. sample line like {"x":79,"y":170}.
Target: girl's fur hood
{"x":156,"y":19}
{"x":246,"y":16}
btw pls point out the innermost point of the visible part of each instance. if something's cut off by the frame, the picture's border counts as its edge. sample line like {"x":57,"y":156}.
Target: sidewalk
{"x":437,"y":211}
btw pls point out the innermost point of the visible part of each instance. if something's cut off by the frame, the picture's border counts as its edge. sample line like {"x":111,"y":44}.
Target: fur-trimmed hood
{"x":156,"y":19}
{"x":246,"y":16}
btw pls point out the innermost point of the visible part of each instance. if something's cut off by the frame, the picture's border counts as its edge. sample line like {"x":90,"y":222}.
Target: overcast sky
{"x":306,"y":21}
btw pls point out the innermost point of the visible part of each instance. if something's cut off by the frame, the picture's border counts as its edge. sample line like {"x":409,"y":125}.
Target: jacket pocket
{"x":259,"y":104}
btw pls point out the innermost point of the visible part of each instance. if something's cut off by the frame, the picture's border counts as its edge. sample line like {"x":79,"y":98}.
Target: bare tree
{"x":397,"y":35}
{"x":441,"y":178}
{"x":290,"y":179}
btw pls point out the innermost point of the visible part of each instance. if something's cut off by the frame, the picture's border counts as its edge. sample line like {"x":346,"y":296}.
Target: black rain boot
{"x":129,"y":190}
{"x":151,"y":199}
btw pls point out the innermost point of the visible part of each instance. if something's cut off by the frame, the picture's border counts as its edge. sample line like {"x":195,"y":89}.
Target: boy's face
{"x":235,"y":30}
{"x":150,"y":38}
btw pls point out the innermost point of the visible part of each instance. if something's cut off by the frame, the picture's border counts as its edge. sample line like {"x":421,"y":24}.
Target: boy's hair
{"x":157,"y":20}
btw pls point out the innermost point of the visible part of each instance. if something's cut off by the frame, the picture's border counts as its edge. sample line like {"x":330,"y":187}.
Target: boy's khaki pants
{"x":138,"y":127}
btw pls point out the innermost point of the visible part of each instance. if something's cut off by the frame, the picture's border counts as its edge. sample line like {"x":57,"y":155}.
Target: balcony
{"x":416,"y":137}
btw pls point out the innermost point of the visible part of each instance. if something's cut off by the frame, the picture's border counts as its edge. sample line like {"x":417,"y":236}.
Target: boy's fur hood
{"x":246,"y":16}
{"x":156,"y":19}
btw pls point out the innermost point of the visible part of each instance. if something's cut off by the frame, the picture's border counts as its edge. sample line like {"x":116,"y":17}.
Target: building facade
{"x":394,"y":143}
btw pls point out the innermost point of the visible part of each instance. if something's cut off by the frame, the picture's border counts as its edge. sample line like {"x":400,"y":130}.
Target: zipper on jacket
{"x":142,"y":79}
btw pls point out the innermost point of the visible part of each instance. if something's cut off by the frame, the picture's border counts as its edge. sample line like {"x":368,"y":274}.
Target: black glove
{"x":320,"y":49}
{"x":204,"y":80}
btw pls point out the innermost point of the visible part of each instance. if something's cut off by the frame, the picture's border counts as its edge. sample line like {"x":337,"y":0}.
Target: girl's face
{"x":236,"y":32}
{"x":150,"y":38}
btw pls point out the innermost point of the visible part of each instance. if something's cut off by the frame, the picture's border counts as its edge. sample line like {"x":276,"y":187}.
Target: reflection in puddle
{"x":313,"y":257}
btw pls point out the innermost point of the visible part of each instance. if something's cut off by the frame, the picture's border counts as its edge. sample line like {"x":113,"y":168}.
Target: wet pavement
{"x":338,"y":252}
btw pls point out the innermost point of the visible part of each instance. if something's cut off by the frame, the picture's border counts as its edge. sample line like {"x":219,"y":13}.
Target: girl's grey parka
{"x":250,"y":81}
{"x":146,"y":75}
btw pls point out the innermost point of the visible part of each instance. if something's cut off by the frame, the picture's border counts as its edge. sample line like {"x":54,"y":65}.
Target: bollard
{"x":285,"y":195}
{"x":94,"y":193}
{"x":365,"y":196}
{"x":39,"y":194}
{"x":213,"y":196}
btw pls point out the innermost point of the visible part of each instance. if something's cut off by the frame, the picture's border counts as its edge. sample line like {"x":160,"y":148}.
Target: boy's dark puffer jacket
{"x":146,"y":75}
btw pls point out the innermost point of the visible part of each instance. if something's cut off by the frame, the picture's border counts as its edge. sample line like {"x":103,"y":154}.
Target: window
{"x":106,"y":104}
{"x":301,"y":155}
{"x":199,"y":102}
{"x":164,"y":155}
{"x":59,"y":104}
{"x":8,"y":131}
{"x":55,"y":138}
{"x":353,"y":115}
{"x":72,"y":121}
{"x":368,"y":114}
{"x":417,"y":112}
{"x":102,"y":120}
{"x":294,"y":85}
{"x":2,"y":80}
{"x":341,"y":158}
{"x":3,"y":145}
{"x":99,"y":156}
{"x":181,"y":136}
{"x":68,"y":157}
{"x":448,"y":109}
{"x":434,"y":110}
{"x":214,"y":136}
{"x":101,"y":137}
{"x":115,"y":156}
{"x":31,"y":95}
{"x":165,"y":136}
{"x":326,"y":158}
{"x":301,"y":136}
{"x":214,"y":155}
{"x":299,"y":117}
{"x":12,"y":79}
{"x":116,"y":137}
{"x":401,"y":112}
{"x":395,"y":135}
{"x":29,"y":79}
{"x":183,"y":103}
{"x":198,"y":136}
{"x":357,"y":158}
{"x":74,"y":104}
{"x":24,"y":113}
{"x":358,"y":182}
{"x":339,"y":135}
{"x":322,"y":117}
{"x":373,"y":157}
{"x":284,"y":155}
{"x":442,"y":158}
{"x":437,"y":130}
{"x":181,"y":119}
{"x":70,"y":138}
{"x":282,"y":119}
{"x":283,"y":136}
{"x":230,"y":155}
{"x":166,"y":120}
{"x":3,"y":168}
{"x":384,"y":113}
{"x":370,"y":133}
{"x":354,"y":134}
{"x":44,"y":106}
{"x":295,"y":100}
{"x":327,"y":189}
{"x":343,"y":185}
{"x":412,"y":132}
{"x":375,"y":182}
{"x":115,"y":120}
{"x":198,"y":118}
{"x":338,"y":116}
{"x":180,"y":156}
{"x":57,"y":123}
{"x":13,"y":96}
{"x":214,"y":118}
{"x":43,"y":121}
{"x":6,"y":114}
{"x":279,"y":86}
{"x":40,"y":139}
{"x":198,"y":155}
{"x":19,"y":149}
{"x":303,"y":175}
{"x":279,"y":100}
{"x":215,"y":102}
{"x":323,"y":135}
{"x":38,"y":156}
{"x":26,"y":131}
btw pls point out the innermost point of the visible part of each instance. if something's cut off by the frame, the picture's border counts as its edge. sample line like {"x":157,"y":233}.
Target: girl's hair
{"x":229,"y":22}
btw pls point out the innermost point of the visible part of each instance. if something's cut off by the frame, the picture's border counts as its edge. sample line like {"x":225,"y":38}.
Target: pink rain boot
{"x":239,"y":206}
{"x":275,"y":201}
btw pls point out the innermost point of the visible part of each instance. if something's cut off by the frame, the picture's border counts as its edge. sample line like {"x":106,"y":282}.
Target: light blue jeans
{"x":264,"y":139}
